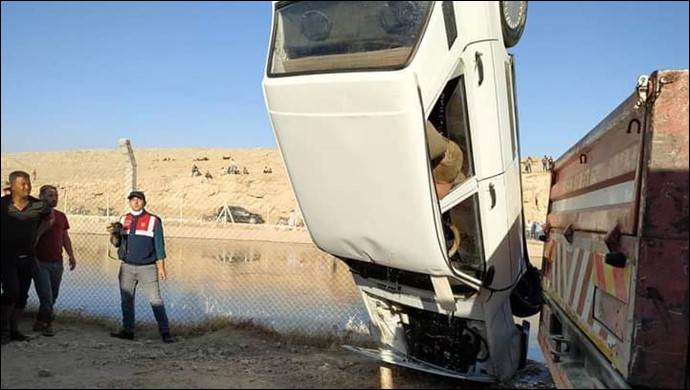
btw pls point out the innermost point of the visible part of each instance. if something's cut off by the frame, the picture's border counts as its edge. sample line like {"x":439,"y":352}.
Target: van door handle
{"x":480,"y":67}
{"x":492,"y":193}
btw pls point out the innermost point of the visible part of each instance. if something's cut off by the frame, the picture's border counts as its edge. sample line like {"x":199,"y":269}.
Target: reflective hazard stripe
{"x":615,"y":281}
{"x":145,"y":225}
{"x":150,"y":223}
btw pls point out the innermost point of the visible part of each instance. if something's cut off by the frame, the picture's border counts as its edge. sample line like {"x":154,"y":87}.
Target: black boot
{"x":122,"y":335}
{"x":167,"y":338}
{"x":15,"y":319}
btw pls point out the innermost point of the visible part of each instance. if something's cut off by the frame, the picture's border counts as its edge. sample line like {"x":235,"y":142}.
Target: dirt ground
{"x":83,"y":355}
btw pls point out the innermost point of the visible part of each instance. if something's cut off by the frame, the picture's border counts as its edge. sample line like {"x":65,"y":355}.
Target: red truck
{"x":615,"y":263}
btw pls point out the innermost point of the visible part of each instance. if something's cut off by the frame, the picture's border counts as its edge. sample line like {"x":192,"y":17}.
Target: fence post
{"x":130,"y":167}
{"x":297,"y":212}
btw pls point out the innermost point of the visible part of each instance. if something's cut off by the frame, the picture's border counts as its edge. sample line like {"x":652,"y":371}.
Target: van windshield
{"x":329,"y":36}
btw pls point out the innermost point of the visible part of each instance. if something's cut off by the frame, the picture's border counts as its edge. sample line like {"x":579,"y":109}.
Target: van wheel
{"x":513,"y":19}
{"x":527,"y":297}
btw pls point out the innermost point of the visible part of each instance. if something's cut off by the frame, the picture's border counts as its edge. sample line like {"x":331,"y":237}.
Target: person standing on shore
{"x":141,"y":247}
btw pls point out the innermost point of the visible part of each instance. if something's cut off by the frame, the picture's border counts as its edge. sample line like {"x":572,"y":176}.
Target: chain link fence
{"x":221,"y":262}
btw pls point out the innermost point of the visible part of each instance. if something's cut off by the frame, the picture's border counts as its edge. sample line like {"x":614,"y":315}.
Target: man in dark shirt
{"x":24,"y":219}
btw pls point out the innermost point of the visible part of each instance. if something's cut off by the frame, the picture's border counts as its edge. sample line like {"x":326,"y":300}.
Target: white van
{"x":358,"y":93}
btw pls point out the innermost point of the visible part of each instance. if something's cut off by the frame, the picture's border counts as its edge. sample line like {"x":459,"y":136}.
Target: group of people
{"x":232,"y":169}
{"x":546,"y":164}
{"x":533,"y":229}
{"x":197,"y":172}
{"x":34,"y":234}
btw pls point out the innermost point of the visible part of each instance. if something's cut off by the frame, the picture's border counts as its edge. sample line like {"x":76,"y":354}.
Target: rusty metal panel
{"x":611,"y":312}
{"x":665,"y":185}
{"x":558,"y":371}
{"x":636,"y":316}
{"x":660,"y":341}
{"x":660,"y":345}
{"x":593,"y":294}
{"x":599,"y":220}
{"x":594,"y":184}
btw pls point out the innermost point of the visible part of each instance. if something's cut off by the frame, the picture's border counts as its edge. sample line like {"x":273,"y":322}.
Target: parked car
{"x":237,"y":214}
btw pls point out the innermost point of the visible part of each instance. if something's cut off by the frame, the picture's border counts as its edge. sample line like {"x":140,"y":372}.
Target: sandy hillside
{"x":93,"y":180}
{"x":535,"y":192}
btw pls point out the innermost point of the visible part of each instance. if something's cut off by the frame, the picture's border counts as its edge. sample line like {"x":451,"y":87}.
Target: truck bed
{"x":615,"y":263}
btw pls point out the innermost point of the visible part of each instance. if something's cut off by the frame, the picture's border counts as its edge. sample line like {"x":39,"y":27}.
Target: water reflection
{"x":287,"y":286}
